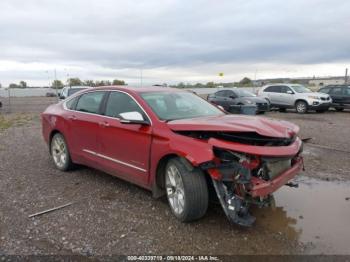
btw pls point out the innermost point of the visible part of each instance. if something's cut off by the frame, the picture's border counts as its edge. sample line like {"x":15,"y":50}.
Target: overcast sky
{"x":172,"y":41}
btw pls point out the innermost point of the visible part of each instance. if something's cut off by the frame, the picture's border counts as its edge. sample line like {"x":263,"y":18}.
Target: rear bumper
{"x":262,"y":188}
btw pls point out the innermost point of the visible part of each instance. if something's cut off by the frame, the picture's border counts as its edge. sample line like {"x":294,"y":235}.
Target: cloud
{"x":103,"y":38}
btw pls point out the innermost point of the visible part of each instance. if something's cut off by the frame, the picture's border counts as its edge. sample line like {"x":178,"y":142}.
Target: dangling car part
{"x":241,"y":180}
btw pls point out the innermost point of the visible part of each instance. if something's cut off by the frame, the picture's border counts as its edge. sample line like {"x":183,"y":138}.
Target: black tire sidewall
{"x":192,"y":209}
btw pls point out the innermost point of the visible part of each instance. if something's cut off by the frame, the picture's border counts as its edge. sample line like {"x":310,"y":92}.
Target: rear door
{"x":272,"y":93}
{"x":337,"y":95}
{"x":347,"y":96}
{"x":84,"y":124}
{"x":218,"y":98}
{"x":124,"y":148}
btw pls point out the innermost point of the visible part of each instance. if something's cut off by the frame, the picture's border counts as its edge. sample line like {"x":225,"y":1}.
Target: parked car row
{"x":285,"y":96}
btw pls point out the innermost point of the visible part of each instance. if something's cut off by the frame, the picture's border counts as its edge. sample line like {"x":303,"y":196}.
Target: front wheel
{"x":301,"y":107}
{"x":187,"y":191}
{"x":60,"y":153}
{"x":339,"y":109}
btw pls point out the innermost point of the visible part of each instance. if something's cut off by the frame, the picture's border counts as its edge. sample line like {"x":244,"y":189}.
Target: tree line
{"x":245,"y":82}
{"x":74,"y":82}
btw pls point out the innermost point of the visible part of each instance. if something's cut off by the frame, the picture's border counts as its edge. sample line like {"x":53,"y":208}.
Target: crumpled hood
{"x":316,"y":94}
{"x":237,"y":123}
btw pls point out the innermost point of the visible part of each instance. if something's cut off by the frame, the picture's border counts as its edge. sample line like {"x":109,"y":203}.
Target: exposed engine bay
{"x":236,"y":178}
{"x":242,"y":179}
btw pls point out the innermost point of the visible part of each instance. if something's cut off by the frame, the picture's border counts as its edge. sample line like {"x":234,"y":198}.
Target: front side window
{"x":285,"y":89}
{"x":324,"y":90}
{"x":119,"y":103}
{"x":220,"y":93}
{"x":90,"y":102}
{"x":301,"y":89}
{"x":179,"y":105}
{"x":244,"y":93}
{"x":273,"y":89}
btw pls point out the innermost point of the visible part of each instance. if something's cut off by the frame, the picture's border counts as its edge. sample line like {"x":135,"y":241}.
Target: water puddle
{"x":317,"y":212}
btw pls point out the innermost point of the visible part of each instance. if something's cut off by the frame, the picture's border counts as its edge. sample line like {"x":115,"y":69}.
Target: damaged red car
{"x":175,"y":143}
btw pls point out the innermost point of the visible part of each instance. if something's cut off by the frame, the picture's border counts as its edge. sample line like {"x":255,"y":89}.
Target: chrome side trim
{"x":114,"y":160}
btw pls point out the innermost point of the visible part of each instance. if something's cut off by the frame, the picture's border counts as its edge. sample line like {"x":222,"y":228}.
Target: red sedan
{"x":176,"y":144}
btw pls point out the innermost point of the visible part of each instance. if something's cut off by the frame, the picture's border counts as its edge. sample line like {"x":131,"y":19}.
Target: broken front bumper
{"x":262,"y":188}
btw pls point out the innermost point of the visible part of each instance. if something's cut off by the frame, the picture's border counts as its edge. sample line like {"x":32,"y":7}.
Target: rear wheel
{"x":60,"y":153}
{"x":301,"y":107}
{"x":187,"y":191}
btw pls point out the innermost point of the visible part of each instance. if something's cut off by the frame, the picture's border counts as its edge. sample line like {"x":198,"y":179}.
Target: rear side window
{"x":273,"y":89}
{"x":90,"y":102}
{"x":337,"y":91}
{"x":119,"y":103}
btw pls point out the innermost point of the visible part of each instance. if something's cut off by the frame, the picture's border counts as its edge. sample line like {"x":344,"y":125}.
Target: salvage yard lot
{"x":110,"y":216}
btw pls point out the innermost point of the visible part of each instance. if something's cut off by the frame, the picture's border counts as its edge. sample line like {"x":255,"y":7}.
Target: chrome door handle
{"x":104,"y":124}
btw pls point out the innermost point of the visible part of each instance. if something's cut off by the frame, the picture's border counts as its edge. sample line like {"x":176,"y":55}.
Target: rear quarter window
{"x":71,"y":104}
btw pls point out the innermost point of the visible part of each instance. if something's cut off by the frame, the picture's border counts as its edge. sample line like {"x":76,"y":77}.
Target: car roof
{"x":343,"y":85}
{"x":139,"y":89}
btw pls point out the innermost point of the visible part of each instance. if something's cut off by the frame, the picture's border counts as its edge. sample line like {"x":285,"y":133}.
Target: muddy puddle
{"x":316,"y":214}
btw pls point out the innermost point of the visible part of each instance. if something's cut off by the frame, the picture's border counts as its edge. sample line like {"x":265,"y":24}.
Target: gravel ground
{"x":110,"y":216}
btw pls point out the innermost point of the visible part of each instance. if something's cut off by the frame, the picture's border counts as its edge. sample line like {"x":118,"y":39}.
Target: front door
{"x":124,"y":148}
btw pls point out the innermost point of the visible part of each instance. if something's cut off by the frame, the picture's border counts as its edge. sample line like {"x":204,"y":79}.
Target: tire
{"x":60,"y":153}
{"x":301,"y":107}
{"x":187,"y":191}
{"x":339,"y":109}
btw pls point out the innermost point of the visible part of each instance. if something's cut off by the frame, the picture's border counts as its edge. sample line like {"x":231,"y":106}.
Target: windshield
{"x":301,"y":89}
{"x":179,"y":105}
{"x":72,"y":91}
{"x":244,"y":93}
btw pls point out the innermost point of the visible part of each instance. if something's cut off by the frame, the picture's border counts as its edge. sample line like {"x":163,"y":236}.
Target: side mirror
{"x":220,"y":107}
{"x":290,"y":92}
{"x":233,"y":97}
{"x":132,"y":118}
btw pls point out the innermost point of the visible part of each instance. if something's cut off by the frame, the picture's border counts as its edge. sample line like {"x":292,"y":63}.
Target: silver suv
{"x":296,"y":96}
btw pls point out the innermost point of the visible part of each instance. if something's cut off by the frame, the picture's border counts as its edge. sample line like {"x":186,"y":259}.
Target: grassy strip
{"x":6,"y":121}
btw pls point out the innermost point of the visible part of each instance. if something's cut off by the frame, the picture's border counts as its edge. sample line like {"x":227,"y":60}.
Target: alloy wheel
{"x":59,"y":151}
{"x":175,"y":189}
